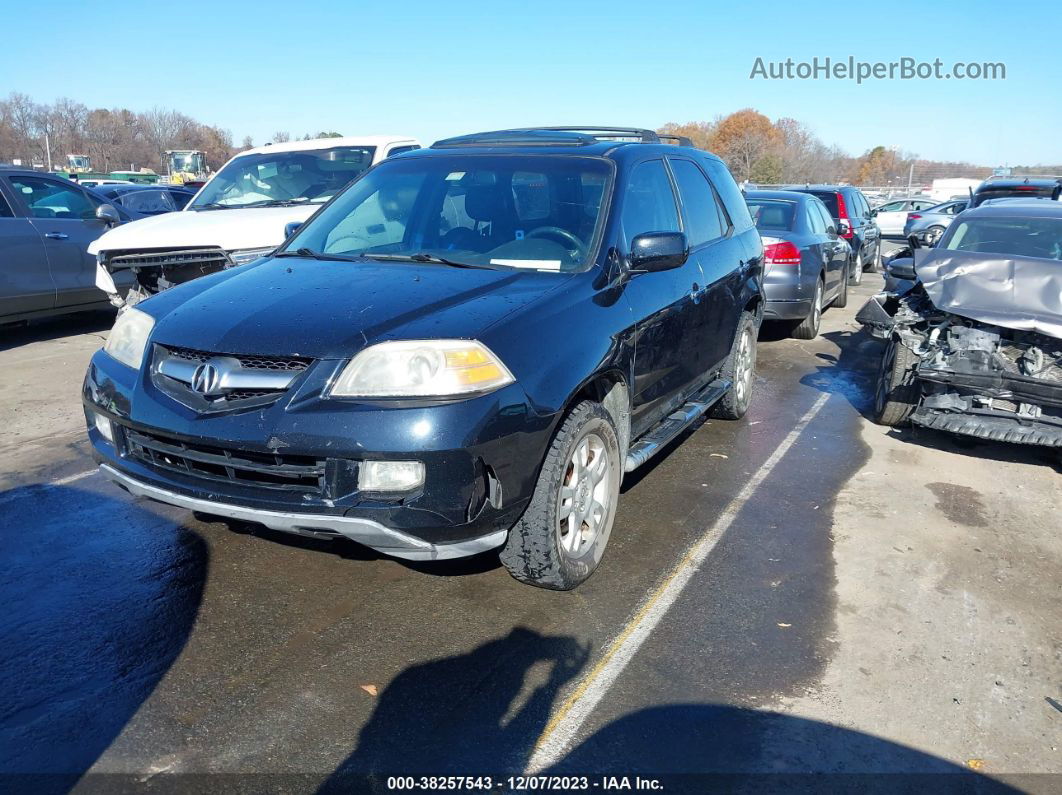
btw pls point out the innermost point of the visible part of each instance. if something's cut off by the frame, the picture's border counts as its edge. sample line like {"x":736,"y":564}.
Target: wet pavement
{"x":139,"y":640}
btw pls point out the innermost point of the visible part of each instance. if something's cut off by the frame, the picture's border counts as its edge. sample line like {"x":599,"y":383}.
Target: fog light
{"x":103,"y":425}
{"x":390,"y":475}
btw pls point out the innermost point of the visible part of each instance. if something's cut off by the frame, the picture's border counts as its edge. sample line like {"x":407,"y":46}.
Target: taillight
{"x":842,"y":215}
{"x":781,"y":253}
{"x":913,"y":216}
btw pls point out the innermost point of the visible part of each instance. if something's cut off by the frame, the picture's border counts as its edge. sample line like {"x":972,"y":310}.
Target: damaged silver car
{"x":974,"y":328}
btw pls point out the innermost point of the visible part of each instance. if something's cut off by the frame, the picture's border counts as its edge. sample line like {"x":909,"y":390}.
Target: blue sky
{"x":432,"y":69}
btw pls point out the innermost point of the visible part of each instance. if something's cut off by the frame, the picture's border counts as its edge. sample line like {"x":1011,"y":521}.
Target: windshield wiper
{"x":214,"y":206}
{"x":311,"y":254}
{"x":278,"y":202}
{"x":425,"y":257}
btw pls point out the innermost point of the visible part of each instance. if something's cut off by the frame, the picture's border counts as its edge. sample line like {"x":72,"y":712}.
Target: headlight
{"x":422,"y":368}
{"x":129,"y":337}
{"x":242,"y":256}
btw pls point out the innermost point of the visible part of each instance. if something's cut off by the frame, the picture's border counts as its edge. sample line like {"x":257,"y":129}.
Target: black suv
{"x":463,"y":350}
{"x":855,"y":222}
{"x":1016,"y":188}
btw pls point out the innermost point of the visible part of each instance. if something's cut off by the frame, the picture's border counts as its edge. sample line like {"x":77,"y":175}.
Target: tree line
{"x":786,"y":151}
{"x":115,"y":138}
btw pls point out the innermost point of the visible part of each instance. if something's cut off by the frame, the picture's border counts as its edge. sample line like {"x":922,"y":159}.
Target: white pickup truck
{"x":239,"y":215}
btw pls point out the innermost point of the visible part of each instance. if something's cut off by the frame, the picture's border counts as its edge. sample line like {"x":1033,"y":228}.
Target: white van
{"x":241,"y":214}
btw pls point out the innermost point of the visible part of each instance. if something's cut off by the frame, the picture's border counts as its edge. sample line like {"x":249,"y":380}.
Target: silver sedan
{"x":930,"y":224}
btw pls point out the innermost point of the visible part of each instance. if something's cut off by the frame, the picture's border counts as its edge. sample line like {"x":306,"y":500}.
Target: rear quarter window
{"x":827,"y":197}
{"x":729,"y":194}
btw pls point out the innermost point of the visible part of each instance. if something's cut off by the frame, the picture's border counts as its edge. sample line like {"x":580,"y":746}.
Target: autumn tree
{"x":699,"y":132}
{"x":743,"y":139}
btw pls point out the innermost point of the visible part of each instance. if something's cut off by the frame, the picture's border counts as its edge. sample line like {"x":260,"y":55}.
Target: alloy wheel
{"x":585,"y":498}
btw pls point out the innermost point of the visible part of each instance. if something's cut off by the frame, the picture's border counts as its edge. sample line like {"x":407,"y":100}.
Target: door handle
{"x":56,"y":235}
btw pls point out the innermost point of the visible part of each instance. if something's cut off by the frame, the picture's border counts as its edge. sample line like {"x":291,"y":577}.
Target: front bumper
{"x":365,"y":531}
{"x":481,"y":458}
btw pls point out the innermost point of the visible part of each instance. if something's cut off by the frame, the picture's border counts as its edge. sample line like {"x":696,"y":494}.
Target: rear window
{"x":772,"y":214}
{"x":1014,"y":191}
{"x":1023,"y":237}
{"x":827,"y":197}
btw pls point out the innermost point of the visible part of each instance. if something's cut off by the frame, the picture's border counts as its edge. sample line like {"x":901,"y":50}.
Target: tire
{"x":933,"y":234}
{"x":897,"y":392}
{"x":537,"y":550}
{"x":809,"y":326}
{"x":855,"y":272}
{"x":740,"y":369}
{"x":841,"y":299}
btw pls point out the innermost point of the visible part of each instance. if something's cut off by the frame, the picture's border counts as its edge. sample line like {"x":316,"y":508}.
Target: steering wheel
{"x":563,"y":234}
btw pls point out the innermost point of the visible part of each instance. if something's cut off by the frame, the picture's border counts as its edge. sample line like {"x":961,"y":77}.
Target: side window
{"x":400,"y":149}
{"x":698,"y":203}
{"x":649,"y":202}
{"x":864,"y":205}
{"x":828,"y":222}
{"x":181,"y":198}
{"x":891,"y":207}
{"x":729,"y":193}
{"x":51,"y":199}
{"x":5,"y":209}
{"x":815,"y":221}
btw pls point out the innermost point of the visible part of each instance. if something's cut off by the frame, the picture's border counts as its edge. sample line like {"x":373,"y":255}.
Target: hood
{"x":1022,"y":293}
{"x":331,"y":310}
{"x":254,"y":227}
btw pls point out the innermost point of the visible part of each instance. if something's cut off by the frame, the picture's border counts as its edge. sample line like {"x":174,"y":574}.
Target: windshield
{"x":526,"y":211}
{"x":1022,"y":237}
{"x":186,"y":161}
{"x":771,"y":214}
{"x":284,"y":177}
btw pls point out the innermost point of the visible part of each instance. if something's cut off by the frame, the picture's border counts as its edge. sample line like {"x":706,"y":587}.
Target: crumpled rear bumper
{"x":990,"y":426}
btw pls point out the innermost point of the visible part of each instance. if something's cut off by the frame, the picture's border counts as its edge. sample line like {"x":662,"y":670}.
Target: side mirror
{"x":109,"y":215}
{"x":843,"y":227}
{"x":291,"y":228}
{"x":902,"y":268}
{"x":873,"y":213}
{"x":659,"y":251}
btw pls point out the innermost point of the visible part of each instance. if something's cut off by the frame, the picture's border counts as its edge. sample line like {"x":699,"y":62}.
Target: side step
{"x":675,"y":423}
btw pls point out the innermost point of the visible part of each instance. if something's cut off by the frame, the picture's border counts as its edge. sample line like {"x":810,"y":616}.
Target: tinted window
{"x":180,"y":198}
{"x":864,"y":205}
{"x":827,"y":197}
{"x":828,"y":223}
{"x":730,"y":193}
{"x":49,"y":199}
{"x":151,"y":202}
{"x":815,"y":220}
{"x":772,"y":214}
{"x":5,"y":210}
{"x":698,"y":203}
{"x":1024,"y":237}
{"x":648,"y":204}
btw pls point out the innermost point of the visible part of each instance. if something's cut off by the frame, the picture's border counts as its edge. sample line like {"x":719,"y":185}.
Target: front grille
{"x":207,"y":257}
{"x":290,"y":364}
{"x":277,"y":471}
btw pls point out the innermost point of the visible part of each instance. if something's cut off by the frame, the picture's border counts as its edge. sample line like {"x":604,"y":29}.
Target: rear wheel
{"x":933,"y":234}
{"x":740,"y":370}
{"x":897,"y":391}
{"x":561,"y":538}
{"x":809,"y":326}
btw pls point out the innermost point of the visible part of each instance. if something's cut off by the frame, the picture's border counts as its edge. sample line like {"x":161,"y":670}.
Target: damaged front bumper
{"x":294,"y":465}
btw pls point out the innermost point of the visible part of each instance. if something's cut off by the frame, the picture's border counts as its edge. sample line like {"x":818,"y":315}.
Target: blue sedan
{"x":807,"y":264}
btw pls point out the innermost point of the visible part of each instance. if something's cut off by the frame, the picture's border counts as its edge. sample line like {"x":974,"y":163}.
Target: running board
{"x":675,"y":423}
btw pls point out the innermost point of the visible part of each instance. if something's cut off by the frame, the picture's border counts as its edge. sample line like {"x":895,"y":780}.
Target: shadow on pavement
{"x":13,"y":335}
{"x":100,"y":598}
{"x":476,"y":714}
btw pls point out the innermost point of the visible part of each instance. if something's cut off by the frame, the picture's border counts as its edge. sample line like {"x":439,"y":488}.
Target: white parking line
{"x":565,"y":723}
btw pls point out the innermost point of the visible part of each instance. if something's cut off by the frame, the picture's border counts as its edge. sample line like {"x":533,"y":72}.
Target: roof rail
{"x":1022,"y":177}
{"x":560,"y":136}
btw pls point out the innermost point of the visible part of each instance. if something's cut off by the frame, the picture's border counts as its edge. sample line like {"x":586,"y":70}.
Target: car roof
{"x":1015,"y":182}
{"x":576,"y":141}
{"x":1016,"y":208}
{"x":786,"y":195}
{"x":329,"y":143}
{"x":806,"y":188}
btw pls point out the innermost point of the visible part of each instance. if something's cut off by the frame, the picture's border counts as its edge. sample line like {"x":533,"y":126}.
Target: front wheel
{"x":855,"y":271}
{"x":740,"y":370}
{"x":897,"y":391}
{"x":841,"y":299}
{"x":933,"y":235}
{"x":561,"y":538}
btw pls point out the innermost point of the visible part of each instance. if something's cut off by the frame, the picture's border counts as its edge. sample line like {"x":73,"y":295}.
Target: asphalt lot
{"x":855,"y":600}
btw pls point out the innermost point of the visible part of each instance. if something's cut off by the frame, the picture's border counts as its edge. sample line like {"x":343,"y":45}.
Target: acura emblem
{"x":206,"y":379}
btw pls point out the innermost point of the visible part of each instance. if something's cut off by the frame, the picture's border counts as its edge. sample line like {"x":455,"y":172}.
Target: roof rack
{"x":1022,"y":177}
{"x":560,"y":136}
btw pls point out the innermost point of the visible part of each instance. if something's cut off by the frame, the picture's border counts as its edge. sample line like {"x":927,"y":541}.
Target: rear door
{"x":25,"y":282}
{"x":834,"y":250}
{"x":662,"y":303}
{"x":65,"y":216}
{"x":719,"y":259}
